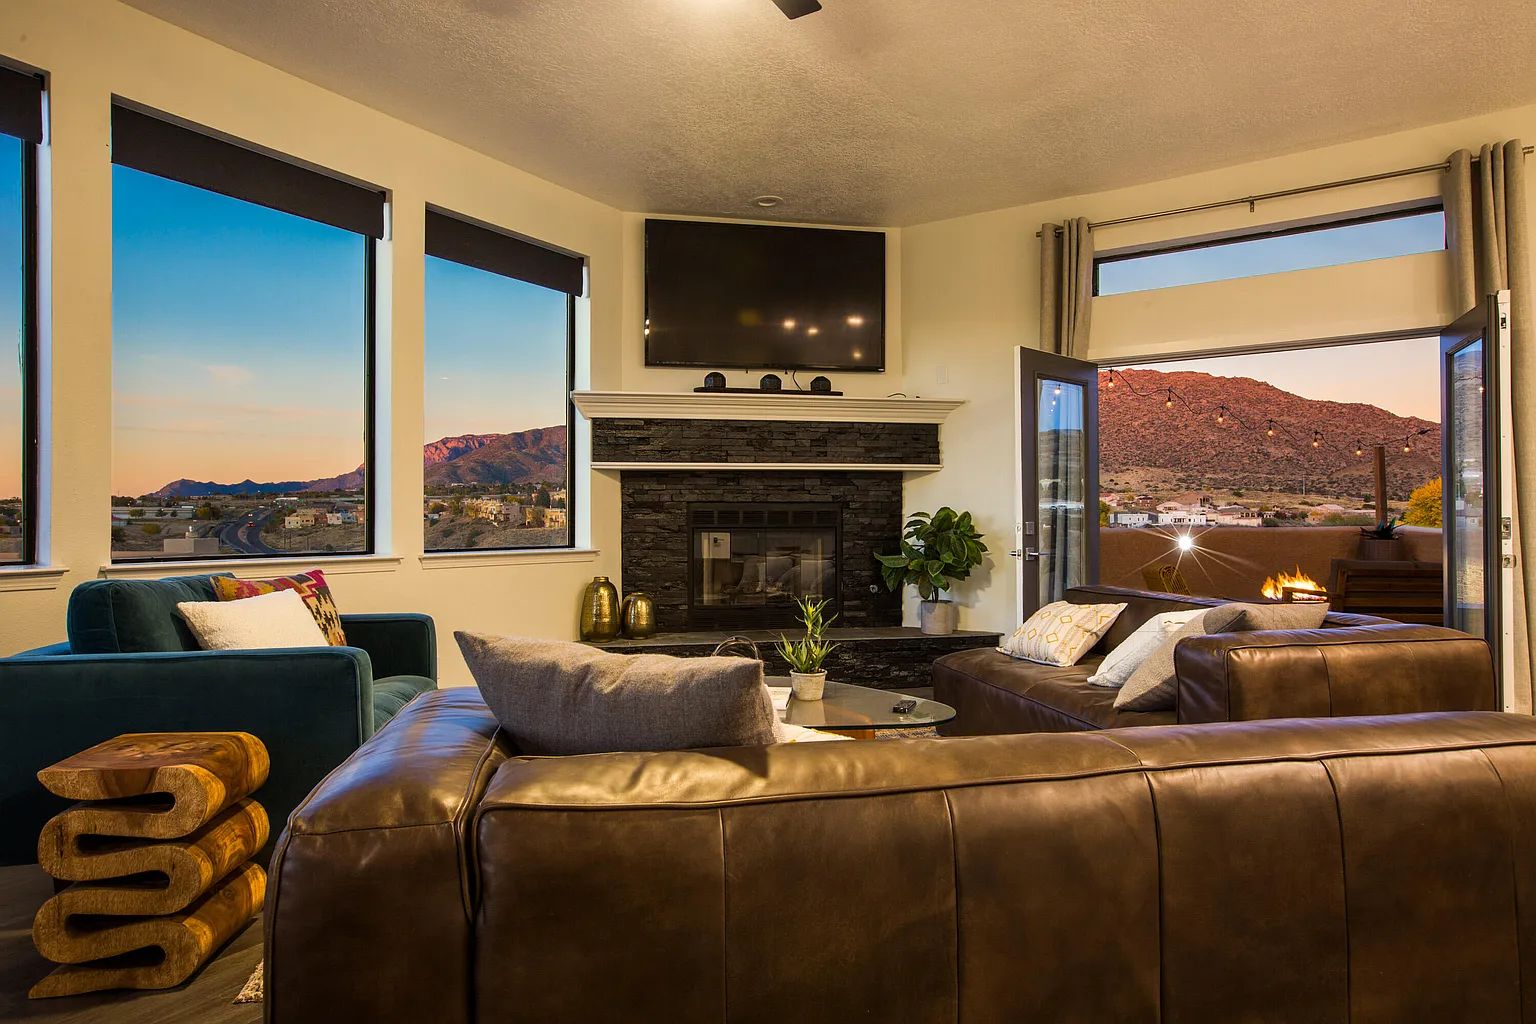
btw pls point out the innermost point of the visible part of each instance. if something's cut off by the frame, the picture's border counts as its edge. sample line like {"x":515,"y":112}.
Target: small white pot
{"x":807,"y":685}
{"x":937,"y":618}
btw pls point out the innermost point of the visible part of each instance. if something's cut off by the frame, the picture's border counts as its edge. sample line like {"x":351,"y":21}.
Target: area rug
{"x":254,"y":987}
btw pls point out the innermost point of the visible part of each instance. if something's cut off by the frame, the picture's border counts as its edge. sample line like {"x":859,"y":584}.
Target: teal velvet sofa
{"x":131,"y":665}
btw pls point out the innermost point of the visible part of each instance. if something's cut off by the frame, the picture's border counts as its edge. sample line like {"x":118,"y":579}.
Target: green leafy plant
{"x":938,"y":550}
{"x":807,"y":654}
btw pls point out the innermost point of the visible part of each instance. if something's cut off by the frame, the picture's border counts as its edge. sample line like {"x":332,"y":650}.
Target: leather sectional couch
{"x":1354,"y":665}
{"x":1302,"y":870}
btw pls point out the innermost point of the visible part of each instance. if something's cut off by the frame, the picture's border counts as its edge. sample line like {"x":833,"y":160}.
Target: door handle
{"x":1028,"y":554}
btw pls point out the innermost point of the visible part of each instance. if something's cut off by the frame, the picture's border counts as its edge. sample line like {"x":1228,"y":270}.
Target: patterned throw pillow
{"x":311,"y":586}
{"x":1061,"y":632}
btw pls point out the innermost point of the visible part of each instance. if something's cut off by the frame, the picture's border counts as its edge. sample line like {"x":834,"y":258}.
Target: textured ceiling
{"x":888,"y":112}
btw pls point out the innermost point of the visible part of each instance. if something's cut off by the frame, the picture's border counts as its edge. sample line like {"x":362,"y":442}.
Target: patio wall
{"x":1232,"y":561}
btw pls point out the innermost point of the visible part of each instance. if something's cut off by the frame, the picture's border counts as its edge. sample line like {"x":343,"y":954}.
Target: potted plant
{"x":807,"y":679}
{"x":937,"y":551}
{"x":1380,"y":543}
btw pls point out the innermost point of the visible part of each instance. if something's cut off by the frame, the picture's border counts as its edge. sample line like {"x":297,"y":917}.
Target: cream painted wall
{"x":94,"y":49}
{"x":639,"y":377}
{"x":970,"y":296}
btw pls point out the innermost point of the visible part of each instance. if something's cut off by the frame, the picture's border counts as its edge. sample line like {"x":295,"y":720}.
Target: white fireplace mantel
{"x":769,"y":405}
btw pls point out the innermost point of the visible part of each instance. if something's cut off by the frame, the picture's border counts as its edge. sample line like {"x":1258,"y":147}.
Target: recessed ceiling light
{"x":767,"y":202}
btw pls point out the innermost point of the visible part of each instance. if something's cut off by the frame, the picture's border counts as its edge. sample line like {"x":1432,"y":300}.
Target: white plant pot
{"x":937,"y":618}
{"x":807,"y":685}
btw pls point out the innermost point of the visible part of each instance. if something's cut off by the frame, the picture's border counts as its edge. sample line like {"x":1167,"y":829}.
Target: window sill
{"x":527,"y":556}
{"x":247,"y":568}
{"x":32,"y":577}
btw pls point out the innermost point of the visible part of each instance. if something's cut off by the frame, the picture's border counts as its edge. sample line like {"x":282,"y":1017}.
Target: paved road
{"x":244,"y":535}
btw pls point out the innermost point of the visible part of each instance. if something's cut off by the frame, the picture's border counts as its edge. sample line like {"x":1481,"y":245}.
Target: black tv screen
{"x":748,"y":296}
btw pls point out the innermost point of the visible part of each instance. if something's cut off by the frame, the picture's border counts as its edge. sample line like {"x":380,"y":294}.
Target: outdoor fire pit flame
{"x":1297,"y":586}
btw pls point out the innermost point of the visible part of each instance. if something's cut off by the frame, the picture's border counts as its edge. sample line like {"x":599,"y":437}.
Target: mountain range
{"x":527,"y":456}
{"x":1139,"y":431}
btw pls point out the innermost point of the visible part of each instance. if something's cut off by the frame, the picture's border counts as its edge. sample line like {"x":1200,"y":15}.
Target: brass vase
{"x":639,"y":616}
{"x":600,"y":610}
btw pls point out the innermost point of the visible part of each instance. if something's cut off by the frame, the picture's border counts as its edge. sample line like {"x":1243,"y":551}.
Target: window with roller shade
{"x":21,"y":131}
{"x":499,"y":348}
{"x":243,"y":333}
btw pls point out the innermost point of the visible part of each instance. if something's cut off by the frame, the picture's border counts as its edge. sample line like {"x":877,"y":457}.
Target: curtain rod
{"x":1284,"y":193}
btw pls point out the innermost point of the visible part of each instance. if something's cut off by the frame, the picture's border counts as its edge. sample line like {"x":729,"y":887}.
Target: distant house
{"x":187,"y":544}
{"x":554,"y":518}
{"x":494,"y":510}
{"x":303,"y":520}
{"x":1182,"y":519}
{"x":346,"y":517}
{"x":1131,"y":519}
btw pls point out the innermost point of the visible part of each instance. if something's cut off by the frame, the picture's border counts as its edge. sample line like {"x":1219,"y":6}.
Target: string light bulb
{"x":1169,"y":402}
{"x":1111,"y":383}
{"x":1317,"y":439}
{"x":1359,"y":449}
{"x":1221,"y":414}
{"x":1270,"y":430}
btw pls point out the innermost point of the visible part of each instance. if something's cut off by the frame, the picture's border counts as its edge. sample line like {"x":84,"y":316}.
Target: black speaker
{"x":716,"y":379}
{"x":821,"y":384}
{"x":770,"y":382}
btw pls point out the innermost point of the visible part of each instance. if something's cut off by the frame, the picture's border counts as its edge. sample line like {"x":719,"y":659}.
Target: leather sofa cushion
{"x":1061,"y":697}
{"x":134,"y":616}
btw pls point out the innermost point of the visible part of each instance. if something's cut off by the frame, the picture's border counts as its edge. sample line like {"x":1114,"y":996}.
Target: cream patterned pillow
{"x":1061,"y":632}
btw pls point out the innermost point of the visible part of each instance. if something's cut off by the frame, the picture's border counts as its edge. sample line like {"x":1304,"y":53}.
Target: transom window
{"x":1378,"y":236}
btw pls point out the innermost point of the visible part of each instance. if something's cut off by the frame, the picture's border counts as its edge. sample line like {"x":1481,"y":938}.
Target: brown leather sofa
{"x":1302,"y":870}
{"x":1354,"y":665}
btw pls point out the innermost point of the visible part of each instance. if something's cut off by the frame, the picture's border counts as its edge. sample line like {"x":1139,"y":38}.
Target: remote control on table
{"x":904,"y":707}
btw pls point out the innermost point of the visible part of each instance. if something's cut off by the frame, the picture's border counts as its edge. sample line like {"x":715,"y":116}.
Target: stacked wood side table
{"x":163,"y":841}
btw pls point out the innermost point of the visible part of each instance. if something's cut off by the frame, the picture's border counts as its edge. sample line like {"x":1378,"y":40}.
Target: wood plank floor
{"x":206,"y":999}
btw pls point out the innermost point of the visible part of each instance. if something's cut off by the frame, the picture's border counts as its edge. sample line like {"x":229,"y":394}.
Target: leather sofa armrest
{"x":371,"y":893}
{"x":1385,"y":669}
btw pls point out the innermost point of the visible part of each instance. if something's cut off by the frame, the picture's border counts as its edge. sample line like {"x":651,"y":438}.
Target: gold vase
{"x":600,"y":610}
{"x":639,"y":616}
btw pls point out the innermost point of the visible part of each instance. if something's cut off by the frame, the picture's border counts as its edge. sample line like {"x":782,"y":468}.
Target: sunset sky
{"x":1399,"y":376}
{"x":238,"y":343}
{"x":10,"y":317}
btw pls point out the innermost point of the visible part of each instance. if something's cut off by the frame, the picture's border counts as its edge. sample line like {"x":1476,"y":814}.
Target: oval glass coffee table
{"x":855,"y":711}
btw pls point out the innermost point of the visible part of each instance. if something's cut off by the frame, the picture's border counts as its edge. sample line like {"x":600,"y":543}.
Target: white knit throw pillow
{"x":278,"y":619}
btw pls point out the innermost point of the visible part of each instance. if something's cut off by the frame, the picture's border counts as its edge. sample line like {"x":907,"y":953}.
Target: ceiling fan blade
{"x":797,"y":8}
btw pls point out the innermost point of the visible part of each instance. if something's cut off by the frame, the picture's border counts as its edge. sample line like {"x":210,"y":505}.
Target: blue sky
{"x":10,"y":317}
{"x":237,"y":339}
{"x":496,"y":351}
{"x":1327,"y":247}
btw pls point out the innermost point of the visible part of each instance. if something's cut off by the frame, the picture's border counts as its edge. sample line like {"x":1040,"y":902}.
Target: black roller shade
{"x":21,"y":104}
{"x":149,"y":144}
{"x":453,"y":239}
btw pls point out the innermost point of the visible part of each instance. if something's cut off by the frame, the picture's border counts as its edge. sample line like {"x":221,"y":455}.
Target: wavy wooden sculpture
{"x":164,"y":842}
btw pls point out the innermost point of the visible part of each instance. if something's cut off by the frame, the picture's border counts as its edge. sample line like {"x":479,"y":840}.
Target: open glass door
{"x":1476,"y":466}
{"x":1058,"y":523}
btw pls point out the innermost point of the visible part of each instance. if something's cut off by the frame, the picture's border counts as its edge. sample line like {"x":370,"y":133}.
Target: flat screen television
{"x":749,"y":296}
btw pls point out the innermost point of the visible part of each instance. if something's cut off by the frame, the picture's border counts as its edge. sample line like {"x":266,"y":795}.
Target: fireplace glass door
{"x":750,"y":563}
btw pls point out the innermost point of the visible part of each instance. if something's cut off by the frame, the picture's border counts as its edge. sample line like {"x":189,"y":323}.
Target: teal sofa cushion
{"x":392,"y":693}
{"x":134,"y":616}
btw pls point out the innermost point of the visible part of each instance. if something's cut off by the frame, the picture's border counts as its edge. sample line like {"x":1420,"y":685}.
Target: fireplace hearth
{"x":751,"y":562}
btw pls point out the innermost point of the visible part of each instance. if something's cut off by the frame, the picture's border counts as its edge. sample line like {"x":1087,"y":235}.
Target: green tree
{"x":1424,"y":505}
{"x":1103,"y":512}
{"x":150,"y":529}
{"x":541,"y":499}
{"x":119,"y":535}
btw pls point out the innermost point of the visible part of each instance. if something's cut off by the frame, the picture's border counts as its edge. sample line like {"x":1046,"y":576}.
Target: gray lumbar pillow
{"x":555,"y":697}
{"x":1152,"y":686}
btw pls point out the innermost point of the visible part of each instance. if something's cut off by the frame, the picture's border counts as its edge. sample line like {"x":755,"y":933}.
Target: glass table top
{"x":846,"y":706}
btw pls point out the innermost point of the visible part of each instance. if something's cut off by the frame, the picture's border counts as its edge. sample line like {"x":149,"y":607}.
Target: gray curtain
{"x":1066,"y":287}
{"x":1488,"y":236}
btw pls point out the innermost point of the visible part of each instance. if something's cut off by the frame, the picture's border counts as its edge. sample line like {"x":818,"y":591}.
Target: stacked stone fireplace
{"x":674,"y":469}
